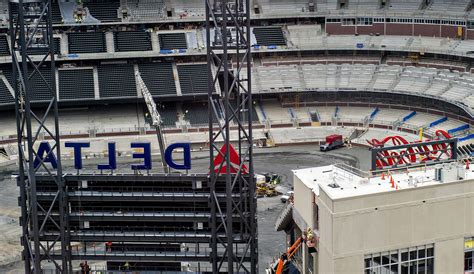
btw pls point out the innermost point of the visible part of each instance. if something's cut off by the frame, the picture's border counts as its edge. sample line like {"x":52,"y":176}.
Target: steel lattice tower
{"x":234,"y":230}
{"x":31,"y":32}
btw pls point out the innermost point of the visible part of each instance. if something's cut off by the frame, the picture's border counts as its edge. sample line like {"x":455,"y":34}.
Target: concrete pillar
{"x":64,"y":50}
{"x":155,"y":43}
{"x":109,"y":42}
{"x":56,"y":71}
{"x":135,"y":70}
{"x":96,"y":83}
{"x":176,"y":80}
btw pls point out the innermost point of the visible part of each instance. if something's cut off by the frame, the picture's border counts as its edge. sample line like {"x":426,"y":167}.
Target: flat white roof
{"x":338,"y":182}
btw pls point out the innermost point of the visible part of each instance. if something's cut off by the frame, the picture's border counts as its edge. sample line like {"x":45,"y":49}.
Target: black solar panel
{"x":5,"y":95}
{"x":39,"y":51}
{"x":41,"y":91}
{"x":269,"y":36}
{"x":159,"y":78}
{"x":117,"y":80}
{"x":56,"y":13}
{"x":132,"y":41}
{"x":104,"y":10}
{"x":193,"y":79}
{"x":87,"y":42}
{"x":170,"y":41}
{"x":4,"y":48}
{"x":76,"y":84}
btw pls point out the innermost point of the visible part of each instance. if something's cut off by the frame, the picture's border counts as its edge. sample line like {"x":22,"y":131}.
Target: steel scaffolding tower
{"x":32,"y":33}
{"x":228,"y":49}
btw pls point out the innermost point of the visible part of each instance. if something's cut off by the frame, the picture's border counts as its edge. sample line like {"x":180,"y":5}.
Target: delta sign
{"x":45,"y":154}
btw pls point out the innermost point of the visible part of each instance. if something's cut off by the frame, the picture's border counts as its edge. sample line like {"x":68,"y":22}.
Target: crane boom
{"x":155,"y":117}
{"x":286,"y":257}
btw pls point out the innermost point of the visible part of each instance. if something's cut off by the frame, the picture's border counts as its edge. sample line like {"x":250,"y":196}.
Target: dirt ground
{"x":280,"y":160}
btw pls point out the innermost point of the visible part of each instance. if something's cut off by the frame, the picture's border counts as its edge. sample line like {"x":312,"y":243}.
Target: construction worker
{"x":109,"y":246}
{"x":85,"y":268}
{"x":126,"y":266}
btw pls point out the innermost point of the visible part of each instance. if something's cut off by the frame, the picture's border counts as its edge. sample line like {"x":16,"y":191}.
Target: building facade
{"x":412,"y":221}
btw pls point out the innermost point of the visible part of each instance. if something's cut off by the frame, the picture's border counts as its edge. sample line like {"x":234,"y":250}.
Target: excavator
{"x":286,"y":257}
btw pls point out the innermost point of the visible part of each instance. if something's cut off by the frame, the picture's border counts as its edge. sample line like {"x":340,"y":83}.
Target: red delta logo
{"x":409,"y":155}
{"x":235,"y":164}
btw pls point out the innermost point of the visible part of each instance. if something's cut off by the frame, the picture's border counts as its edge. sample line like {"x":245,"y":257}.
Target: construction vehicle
{"x":272,"y":178}
{"x":287,"y":196}
{"x":282,"y":263}
{"x":332,"y":142}
{"x":155,"y":117}
{"x":266,"y":190}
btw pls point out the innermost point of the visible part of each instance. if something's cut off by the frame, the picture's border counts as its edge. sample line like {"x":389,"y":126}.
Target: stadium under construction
{"x":138,"y":135}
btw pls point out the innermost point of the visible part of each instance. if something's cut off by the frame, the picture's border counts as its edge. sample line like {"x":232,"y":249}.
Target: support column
{"x":96,"y":83}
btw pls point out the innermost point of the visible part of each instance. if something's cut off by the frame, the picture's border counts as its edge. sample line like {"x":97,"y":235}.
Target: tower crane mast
{"x":155,"y":117}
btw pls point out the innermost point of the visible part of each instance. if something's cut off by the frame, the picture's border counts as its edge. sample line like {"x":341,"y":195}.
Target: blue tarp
{"x":465,"y":138}
{"x":439,"y":121}
{"x":457,"y":129}
{"x":374,"y":112}
{"x":409,"y":116}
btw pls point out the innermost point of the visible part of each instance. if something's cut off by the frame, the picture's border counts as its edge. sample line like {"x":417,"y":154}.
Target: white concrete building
{"x":422,"y":223}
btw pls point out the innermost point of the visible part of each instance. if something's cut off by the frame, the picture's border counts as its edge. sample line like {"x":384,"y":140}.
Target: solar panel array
{"x":170,"y":41}
{"x":5,"y":95}
{"x":76,"y":84}
{"x":269,"y":36}
{"x":104,"y":10}
{"x":132,"y":41}
{"x":4,"y":48}
{"x":158,"y":78}
{"x":117,"y":80}
{"x":87,"y":42}
{"x":193,"y":79}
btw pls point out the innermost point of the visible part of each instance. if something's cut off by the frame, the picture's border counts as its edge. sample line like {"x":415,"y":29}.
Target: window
{"x":333,"y":20}
{"x":404,"y":261}
{"x":470,"y":24}
{"x":469,"y":255}
{"x":364,"y":21}
{"x":348,"y":21}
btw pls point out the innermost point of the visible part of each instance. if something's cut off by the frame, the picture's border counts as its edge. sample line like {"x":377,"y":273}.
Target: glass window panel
{"x":394,"y":269}
{"x":413,"y":267}
{"x":413,"y":255}
{"x":430,"y":266}
{"x":430,"y":252}
{"x":422,"y":266}
{"x":404,"y":268}
{"x":385,"y":260}
{"x":368,"y":262}
{"x":394,"y":257}
{"x":421,"y":253}
{"x":404,"y":256}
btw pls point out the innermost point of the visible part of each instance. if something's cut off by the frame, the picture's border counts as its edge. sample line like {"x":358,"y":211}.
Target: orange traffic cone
{"x":392,"y":181}
{"x":467,"y":164}
{"x":383,"y":175}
